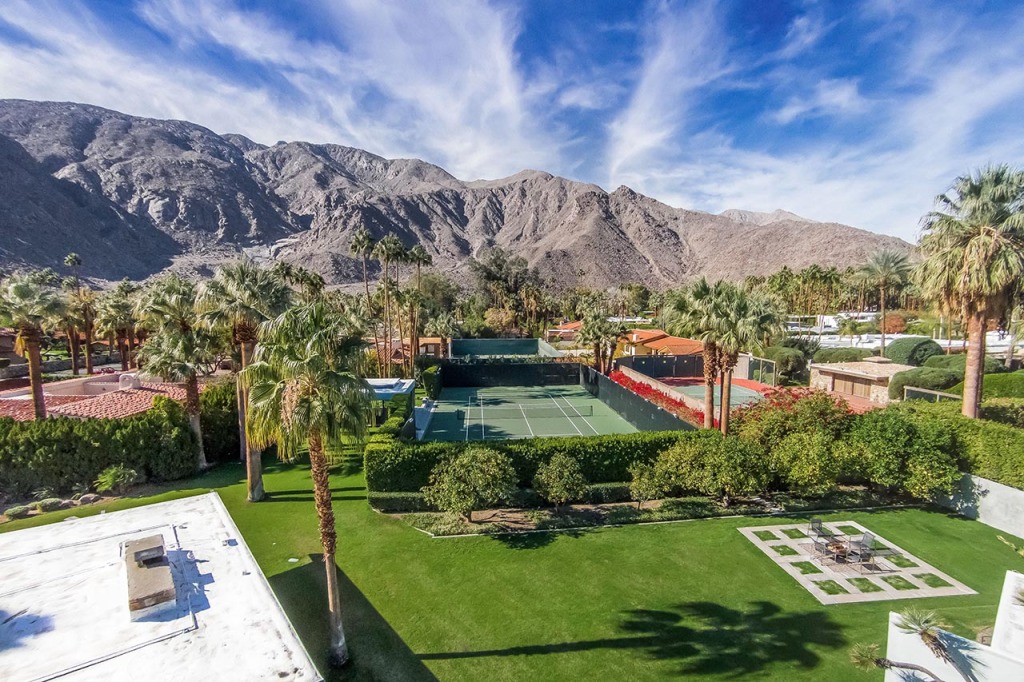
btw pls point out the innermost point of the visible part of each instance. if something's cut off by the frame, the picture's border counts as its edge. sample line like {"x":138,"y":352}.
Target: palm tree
{"x":303,"y":391}
{"x":445,"y":326}
{"x":695,"y":313}
{"x":179,"y":349}
{"x":868,"y":657}
{"x":884,"y":271}
{"x":29,"y":306}
{"x":70,"y":322}
{"x":115,"y":317}
{"x":418,"y":257}
{"x":387,"y":250}
{"x":973,"y":246}
{"x":743,"y":321}
{"x":83,"y":301}
{"x":240,"y":297}
{"x":362,"y":246}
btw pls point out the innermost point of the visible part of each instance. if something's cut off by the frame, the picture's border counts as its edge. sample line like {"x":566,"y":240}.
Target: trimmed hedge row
{"x":431,"y":380}
{"x":218,"y":407}
{"x":1007,"y":411}
{"x":392,"y":466}
{"x":401,"y":502}
{"x":60,"y":453}
{"x":1008,"y":385}
{"x":913,"y":350}
{"x":841,"y":355}
{"x":932,"y":378}
{"x":958,"y":363}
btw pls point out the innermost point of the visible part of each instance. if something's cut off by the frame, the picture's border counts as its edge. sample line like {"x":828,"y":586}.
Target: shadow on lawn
{"x":378,"y":652}
{"x":537,"y":539}
{"x":705,"y":638}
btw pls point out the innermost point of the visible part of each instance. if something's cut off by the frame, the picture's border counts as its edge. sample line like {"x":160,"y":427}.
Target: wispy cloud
{"x":831,"y":96}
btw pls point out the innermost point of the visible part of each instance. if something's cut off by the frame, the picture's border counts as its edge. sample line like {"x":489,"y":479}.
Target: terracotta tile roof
{"x":21,"y":408}
{"x":118,"y":404}
{"x":644,"y":336}
{"x":569,"y":327}
{"x":675,"y":345}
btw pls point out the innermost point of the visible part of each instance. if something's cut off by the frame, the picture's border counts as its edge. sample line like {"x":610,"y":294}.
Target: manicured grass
{"x":794,"y":533}
{"x":785,"y":550}
{"x":765,"y":535}
{"x":806,"y":567}
{"x":864,"y":585}
{"x":932,"y":580}
{"x":647,"y":602}
{"x":900,"y":561}
{"x":899,"y":582}
{"x":849,"y":530}
{"x":830,"y":587}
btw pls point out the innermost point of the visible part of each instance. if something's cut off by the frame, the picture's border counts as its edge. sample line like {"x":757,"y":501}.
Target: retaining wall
{"x":641,"y":413}
{"x":689,"y":401}
{"x":994,"y":504}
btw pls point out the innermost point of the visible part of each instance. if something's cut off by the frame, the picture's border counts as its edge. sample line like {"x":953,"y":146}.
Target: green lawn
{"x":636,"y":602}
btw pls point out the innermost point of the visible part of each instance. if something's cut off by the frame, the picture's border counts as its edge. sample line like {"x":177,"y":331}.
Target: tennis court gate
{"x":755,"y":369}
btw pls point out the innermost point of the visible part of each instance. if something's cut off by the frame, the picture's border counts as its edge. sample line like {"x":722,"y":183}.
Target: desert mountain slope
{"x":131,"y":195}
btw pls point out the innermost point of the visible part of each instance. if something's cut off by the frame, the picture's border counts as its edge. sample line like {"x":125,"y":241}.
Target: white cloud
{"x":831,"y":96}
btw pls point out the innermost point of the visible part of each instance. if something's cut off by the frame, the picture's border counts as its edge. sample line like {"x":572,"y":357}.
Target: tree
{"x":646,"y":484}
{"x":477,"y":478}
{"x":388,"y":250}
{"x":240,"y":297}
{"x":83,"y":301}
{"x":868,"y":656}
{"x":362,"y":246}
{"x":69,"y":321}
{"x":29,"y":305}
{"x":115,"y":317}
{"x":179,"y":349}
{"x":927,"y":626}
{"x":304,"y":392}
{"x":446,"y":327}
{"x":418,"y":257}
{"x":696,"y":312}
{"x":973,"y":245}
{"x":602,"y":335}
{"x":884,"y":271}
{"x":560,"y":480}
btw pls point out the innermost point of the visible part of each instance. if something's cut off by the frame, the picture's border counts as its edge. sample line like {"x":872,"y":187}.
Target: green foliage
{"x":1009,"y":385}
{"x":396,"y":503}
{"x":807,"y":345}
{"x":61,"y":453}
{"x":922,"y":377}
{"x":958,"y":363}
{"x":736,"y":467}
{"x":218,"y":409}
{"x":841,"y":355}
{"x":18,"y":512}
{"x":646,"y":484}
{"x":912,"y":350}
{"x":116,"y":479}
{"x":478,"y":477}
{"x":787,"y":411}
{"x":431,"y":380}
{"x":560,"y":480}
{"x":49,"y":504}
{"x":1005,"y":411}
{"x":807,"y":462}
{"x":790,"y":363}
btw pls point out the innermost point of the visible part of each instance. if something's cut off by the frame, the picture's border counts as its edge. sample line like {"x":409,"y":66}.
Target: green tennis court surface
{"x":740,"y":395}
{"x":509,"y":412}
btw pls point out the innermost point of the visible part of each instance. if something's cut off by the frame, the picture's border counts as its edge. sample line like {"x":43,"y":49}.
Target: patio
{"x":893,"y":574}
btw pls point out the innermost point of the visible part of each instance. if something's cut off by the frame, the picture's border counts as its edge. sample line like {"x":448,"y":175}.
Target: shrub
{"x":737,"y":467}
{"x":958,"y":363}
{"x":560,"y":480}
{"x":788,"y":410}
{"x":683,"y":468}
{"x":806,"y":462}
{"x":116,"y":479}
{"x":431,"y":379}
{"x":478,"y":477}
{"x":646,"y":484}
{"x":606,"y":493}
{"x":674,"y":405}
{"x":1008,"y":385}
{"x":895,"y":323}
{"x":912,"y":350}
{"x":841,"y":355}
{"x":218,"y":409}
{"x":18,"y":512}
{"x":790,"y":363}
{"x":49,"y":504}
{"x":398,"y":502}
{"x":807,"y":345}
{"x":922,"y":377}
{"x":1005,"y":411}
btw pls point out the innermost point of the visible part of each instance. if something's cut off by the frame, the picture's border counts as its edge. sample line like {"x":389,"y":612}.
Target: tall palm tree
{"x":418,"y":257}
{"x":240,"y":297}
{"x":884,"y":271}
{"x":388,"y":250}
{"x":29,"y":306}
{"x":973,"y":245}
{"x":179,"y":348}
{"x":83,"y":301}
{"x":115,"y":317}
{"x":362,"y":246}
{"x":695,"y":313}
{"x":446,"y":327}
{"x":69,"y":321}
{"x":304,"y":392}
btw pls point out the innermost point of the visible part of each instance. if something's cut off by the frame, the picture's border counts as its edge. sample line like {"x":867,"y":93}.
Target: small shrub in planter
{"x":477,"y":478}
{"x":49,"y":504}
{"x":18,"y":512}
{"x":116,"y":479}
{"x":560,"y":480}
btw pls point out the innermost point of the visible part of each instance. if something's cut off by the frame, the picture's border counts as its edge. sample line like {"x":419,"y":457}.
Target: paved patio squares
{"x":896,"y":574}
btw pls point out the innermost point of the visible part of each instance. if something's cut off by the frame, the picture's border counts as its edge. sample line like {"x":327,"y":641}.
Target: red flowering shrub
{"x":666,"y":402}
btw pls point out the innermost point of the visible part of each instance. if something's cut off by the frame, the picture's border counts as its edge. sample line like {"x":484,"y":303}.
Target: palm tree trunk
{"x":881,"y":305}
{"x":192,"y":408}
{"x":132,"y":363}
{"x":328,"y":538}
{"x":723,"y":419}
{"x":709,"y":386}
{"x":387,"y":323}
{"x":369,"y":312}
{"x":73,"y":348}
{"x":975,"y":365}
{"x":35,"y":371}
{"x":597,"y":357}
{"x":887,"y":664}
{"x":250,"y":455}
{"x":1008,"y":358}
{"x":122,"y":343}
{"x":88,"y":348}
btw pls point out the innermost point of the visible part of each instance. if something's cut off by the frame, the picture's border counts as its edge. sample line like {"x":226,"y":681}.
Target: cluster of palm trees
{"x":727,"y":320}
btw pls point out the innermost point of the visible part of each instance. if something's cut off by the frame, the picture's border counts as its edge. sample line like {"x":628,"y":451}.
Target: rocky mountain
{"x":134,"y":196}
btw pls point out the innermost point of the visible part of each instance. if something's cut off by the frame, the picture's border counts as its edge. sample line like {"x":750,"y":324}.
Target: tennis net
{"x":506,"y":413}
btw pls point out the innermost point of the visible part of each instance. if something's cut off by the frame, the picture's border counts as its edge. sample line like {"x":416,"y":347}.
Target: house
{"x":97,"y":396}
{"x":675,"y":345}
{"x":428,"y":345}
{"x":864,"y":383}
{"x":566,"y":331}
{"x":634,"y":341}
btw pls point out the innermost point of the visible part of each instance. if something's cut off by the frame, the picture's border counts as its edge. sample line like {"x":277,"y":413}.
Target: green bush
{"x":1008,"y":411}
{"x":431,"y":380}
{"x":608,"y":493}
{"x":393,"y":503}
{"x":922,"y":377}
{"x":805,"y":460}
{"x":218,"y":410}
{"x":116,"y":479}
{"x":49,"y":504}
{"x":560,"y":480}
{"x":646,"y":484}
{"x":1008,"y":385}
{"x":737,"y":467}
{"x":958,"y":363}
{"x":912,"y":350}
{"x":477,"y":478}
{"x":841,"y":355}
{"x":18,"y":512}
{"x":790,"y":363}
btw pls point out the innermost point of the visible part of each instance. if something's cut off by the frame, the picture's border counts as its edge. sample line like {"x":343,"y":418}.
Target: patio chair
{"x":862,"y":552}
{"x":816,"y":530}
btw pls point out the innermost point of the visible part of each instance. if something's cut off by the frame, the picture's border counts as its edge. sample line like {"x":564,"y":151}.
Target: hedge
{"x":401,"y":502}
{"x":958,"y":363}
{"x":391,"y":466}
{"x":1007,"y":411}
{"x":218,"y":407}
{"x":922,"y":377}
{"x":431,"y":379}
{"x":59,"y":453}
{"x":789,"y":362}
{"x":1008,"y":385}
{"x":913,"y":350}
{"x":841,"y":355}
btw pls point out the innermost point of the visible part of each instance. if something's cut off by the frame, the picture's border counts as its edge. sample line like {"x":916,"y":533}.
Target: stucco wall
{"x":994,"y":504}
{"x":692,"y":403}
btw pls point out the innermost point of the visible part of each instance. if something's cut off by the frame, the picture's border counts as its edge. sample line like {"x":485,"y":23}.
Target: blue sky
{"x":855,"y":112}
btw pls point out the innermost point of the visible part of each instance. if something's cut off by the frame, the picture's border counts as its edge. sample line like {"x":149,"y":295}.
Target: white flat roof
{"x":64,"y":602}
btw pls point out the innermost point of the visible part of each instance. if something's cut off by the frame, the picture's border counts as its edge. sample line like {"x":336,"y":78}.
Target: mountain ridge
{"x":177,"y":195}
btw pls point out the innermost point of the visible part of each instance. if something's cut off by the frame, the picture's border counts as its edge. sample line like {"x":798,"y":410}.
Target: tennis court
{"x":694,"y":388}
{"x":512,"y":412}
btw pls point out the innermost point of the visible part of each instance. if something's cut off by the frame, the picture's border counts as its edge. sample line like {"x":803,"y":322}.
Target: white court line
{"x":526,"y":420}
{"x":585,"y":420}
{"x":566,"y":414}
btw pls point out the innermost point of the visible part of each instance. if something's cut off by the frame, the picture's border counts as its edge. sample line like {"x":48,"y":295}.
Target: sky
{"x":853,"y":112}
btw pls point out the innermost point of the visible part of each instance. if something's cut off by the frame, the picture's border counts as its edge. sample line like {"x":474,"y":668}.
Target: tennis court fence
{"x":914,"y":393}
{"x":524,"y":412}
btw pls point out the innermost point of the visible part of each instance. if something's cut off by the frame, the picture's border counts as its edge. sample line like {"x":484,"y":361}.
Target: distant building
{"x":566,"y":331}
{"x":634,"y":342}
{"x":864,"y":383}
{"x":98,"y":396}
